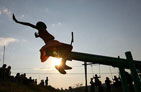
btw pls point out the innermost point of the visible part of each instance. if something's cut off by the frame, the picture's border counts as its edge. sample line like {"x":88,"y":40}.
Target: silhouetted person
{"x":0,"y":72}
{"x":50,"y":44}
{"x":62,"y":89}
{"x":46,"y":81}
{"x":70,"y":89}
{"x":108,"y":84}
{"x":42,"y":83}
{"x":92,"y":87}
{"x":35,"y":81}
{"x":100,"y":87}
{"x":30,"y":80}
{"x":3,"y":71}
{"x":8,"y":72}
{"x":96,"y":80}
{"x":116,"y":81}
{"x":18,"y":78}
{"x":140,"y":76}
{"x":24,"y":79}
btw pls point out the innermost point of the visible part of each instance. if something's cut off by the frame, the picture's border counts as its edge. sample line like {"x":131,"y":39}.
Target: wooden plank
{"x":99,"y":59}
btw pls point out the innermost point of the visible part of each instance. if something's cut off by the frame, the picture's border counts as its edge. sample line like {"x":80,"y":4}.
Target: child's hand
{"x":36,"y":34}
{"x":14,"y":18}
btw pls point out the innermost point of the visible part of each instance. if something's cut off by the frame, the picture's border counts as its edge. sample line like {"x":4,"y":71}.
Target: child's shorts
{"x":54,"y":46}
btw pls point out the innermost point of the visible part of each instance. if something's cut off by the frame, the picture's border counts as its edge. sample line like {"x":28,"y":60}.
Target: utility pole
{"x":86,"y":85}
{"x":3,"y":54}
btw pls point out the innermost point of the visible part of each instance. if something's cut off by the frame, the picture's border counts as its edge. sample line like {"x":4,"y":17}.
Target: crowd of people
{"x":5,"y":72}
{"x":5,"y":75}
{"x":116,"y":82}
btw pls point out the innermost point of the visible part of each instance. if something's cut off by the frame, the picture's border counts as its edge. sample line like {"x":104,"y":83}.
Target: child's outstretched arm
{"x":23,"y":23}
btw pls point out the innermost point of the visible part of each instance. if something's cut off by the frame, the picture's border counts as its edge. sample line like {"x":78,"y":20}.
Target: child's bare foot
{"x":66,"y":67}
{"x":63,"y":64}
{"x":60,"y":69}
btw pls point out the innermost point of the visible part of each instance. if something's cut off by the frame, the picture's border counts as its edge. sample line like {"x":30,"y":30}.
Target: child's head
{"x":41,"y":25}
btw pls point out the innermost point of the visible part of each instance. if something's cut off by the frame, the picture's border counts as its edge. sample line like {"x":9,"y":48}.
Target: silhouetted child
{"x":50,"y":44}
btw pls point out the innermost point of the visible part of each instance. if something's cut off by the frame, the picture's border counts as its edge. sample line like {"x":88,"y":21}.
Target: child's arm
{"x":23,"y":23}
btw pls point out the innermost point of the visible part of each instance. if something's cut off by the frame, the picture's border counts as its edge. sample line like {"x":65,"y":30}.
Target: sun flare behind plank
{"x":56,"y":61}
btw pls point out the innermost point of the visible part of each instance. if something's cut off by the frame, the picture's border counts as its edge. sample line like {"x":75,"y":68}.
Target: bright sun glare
{"x":56,"y":61}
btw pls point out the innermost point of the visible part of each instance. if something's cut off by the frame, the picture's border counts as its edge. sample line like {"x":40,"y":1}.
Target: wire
{"x":110,"y":71}
{"x":44,"y":67}
{"x":99,"y":70}
{"x":68,"y":73}
{"x":92,"y":70}
{"x":37,"y":68}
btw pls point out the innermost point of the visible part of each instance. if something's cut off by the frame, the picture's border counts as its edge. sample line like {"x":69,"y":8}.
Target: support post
{"x":123,"y":79}
{"x":85,"y":67}
{"x":134,"y":74}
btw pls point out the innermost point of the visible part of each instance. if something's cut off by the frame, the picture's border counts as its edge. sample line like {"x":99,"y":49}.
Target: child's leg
{"x":63,"y":64}
{"x":66,"y":49}
{"x":60,"y":69}
{"x":43,"y":55}
{"x":64,"y":52}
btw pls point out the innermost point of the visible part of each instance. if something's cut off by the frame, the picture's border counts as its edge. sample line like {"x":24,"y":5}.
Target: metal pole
{"x":85,"y":67}
{"x":3,"y":54}
{"x":134,"y":74}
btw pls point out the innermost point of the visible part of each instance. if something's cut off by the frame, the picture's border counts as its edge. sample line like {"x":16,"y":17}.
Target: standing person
{"x":100,"y":87}
{"x":8,"y":72}
{"x":35,"y":81}
{"x":3,"y":72}
{"x":46,"y":81}
{"x":50,"y":44}
{"x":116,"y":82}
{"x":96,"y":80}
{"x":108,"y":84}
{"x":92,"y":87}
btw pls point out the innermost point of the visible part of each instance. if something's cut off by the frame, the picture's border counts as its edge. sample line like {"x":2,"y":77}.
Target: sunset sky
{"x":102,"y":27}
